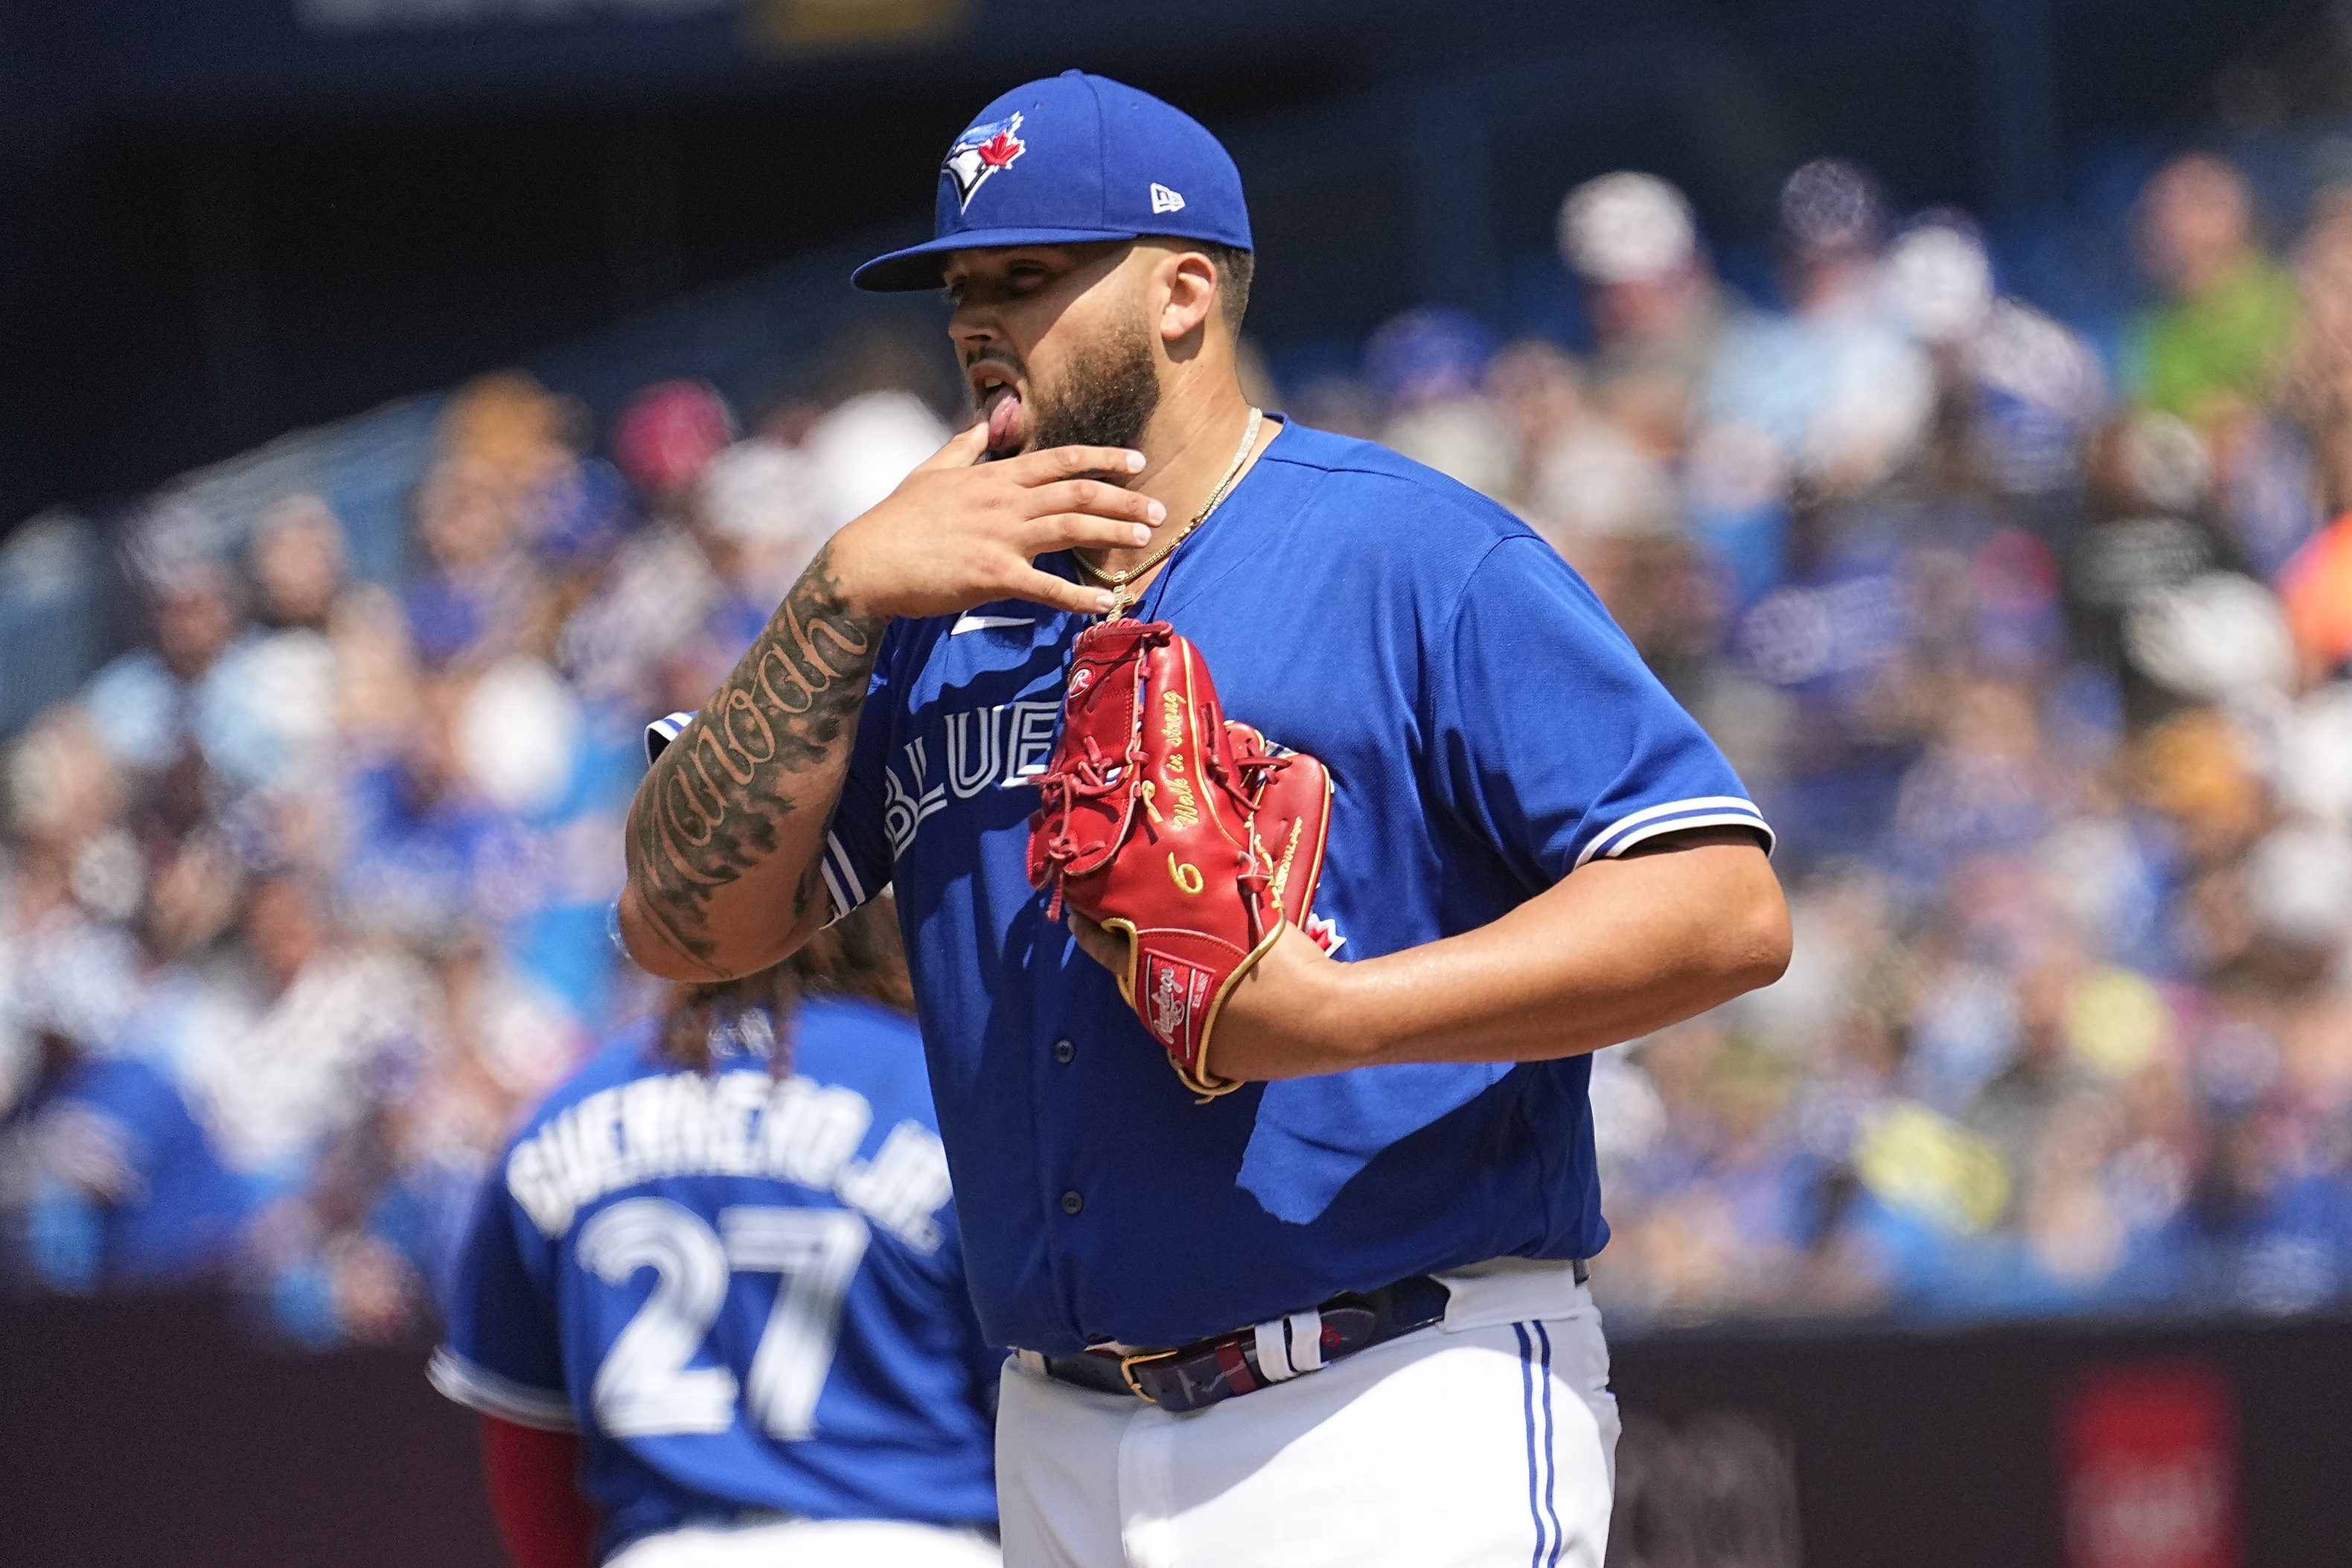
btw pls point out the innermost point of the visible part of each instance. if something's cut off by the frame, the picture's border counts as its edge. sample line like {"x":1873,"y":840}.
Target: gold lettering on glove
{"x":1186,"y":874}
{"x":1289,"y":852}
{"x":1179,"y":788}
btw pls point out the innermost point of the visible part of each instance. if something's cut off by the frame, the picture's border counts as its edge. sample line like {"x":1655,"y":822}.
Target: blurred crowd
{"x":304,"y":899}
{"x":2030,"y":650}
{"x":2034,"y":660}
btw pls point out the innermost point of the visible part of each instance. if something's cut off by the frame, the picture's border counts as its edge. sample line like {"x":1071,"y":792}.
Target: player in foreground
{"x":1336,"y":1315}
{"x":716,"y":1287}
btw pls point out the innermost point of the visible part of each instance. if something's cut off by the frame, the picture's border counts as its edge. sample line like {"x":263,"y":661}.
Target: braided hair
{"x":858,"y":956}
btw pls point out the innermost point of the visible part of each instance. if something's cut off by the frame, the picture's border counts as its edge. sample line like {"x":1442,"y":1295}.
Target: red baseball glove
{"x":1180,"y":827}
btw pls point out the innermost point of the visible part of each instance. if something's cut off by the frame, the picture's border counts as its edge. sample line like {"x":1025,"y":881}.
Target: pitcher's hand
{"x":958,"y":532}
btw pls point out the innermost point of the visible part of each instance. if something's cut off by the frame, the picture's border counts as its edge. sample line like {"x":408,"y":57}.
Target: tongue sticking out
{"x":1004,"y":431}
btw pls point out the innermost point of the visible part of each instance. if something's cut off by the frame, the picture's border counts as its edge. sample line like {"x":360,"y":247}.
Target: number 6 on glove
{"x":1180,"y":828}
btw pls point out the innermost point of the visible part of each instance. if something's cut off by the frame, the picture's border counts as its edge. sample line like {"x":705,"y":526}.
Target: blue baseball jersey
{"x":1488,"y":729}
{"x":745,"y":1292}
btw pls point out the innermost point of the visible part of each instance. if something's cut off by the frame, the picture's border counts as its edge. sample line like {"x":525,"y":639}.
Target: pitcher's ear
{"x":1191,"y":282}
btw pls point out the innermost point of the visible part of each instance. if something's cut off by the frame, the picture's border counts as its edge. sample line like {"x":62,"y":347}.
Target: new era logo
{"x":1164,"y":200}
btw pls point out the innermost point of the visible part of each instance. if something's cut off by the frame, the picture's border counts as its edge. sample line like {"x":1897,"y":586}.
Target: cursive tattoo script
{"x":708,"y":809}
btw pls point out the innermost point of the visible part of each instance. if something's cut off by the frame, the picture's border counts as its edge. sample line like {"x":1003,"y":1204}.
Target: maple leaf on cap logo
{"x":1002,"y":149}
{"x":981,"y":152}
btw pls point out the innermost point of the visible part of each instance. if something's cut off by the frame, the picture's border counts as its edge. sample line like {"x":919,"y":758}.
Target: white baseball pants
{"x":811,"y":1544}
{"x":1487,"y":1441}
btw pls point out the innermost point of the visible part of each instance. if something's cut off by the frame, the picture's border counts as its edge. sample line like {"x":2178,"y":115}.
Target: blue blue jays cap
{"x":1070,"y":159}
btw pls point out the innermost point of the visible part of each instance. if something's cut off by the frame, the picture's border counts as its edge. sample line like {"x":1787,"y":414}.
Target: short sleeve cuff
{"x":843,"y":888}
{"x":662,"y":731}
{"x":1674,"y":817}
{"x":481,"y":1389}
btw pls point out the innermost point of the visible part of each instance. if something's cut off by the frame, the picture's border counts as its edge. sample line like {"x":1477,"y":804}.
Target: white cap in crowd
{"x":1626,"y":227}
{"x":866,"y":446}
{"x":1940,"y":277}
{"x":1831,"y":206}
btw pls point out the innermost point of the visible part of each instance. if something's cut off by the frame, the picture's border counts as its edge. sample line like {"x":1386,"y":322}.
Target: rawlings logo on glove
{"x":1180,"y":828}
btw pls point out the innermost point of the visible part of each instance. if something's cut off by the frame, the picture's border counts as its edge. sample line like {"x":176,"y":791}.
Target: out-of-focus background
{"x":1952,"y":399}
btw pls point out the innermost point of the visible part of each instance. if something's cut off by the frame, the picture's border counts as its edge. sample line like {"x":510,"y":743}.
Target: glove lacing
{"x":1256,"y":767}
{"x":1089,"y":779}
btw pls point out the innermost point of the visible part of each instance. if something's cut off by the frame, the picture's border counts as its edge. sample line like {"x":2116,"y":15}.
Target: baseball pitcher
{"x":1276,"y":827}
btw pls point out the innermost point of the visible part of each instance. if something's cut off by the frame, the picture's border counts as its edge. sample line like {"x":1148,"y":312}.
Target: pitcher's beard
{"x":1106,"y":395}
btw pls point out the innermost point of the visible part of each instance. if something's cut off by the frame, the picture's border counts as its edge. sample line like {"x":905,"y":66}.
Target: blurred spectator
{"x":66,"y":800}
{"x":2212,"y":352}
{"x":2318,"y":384}
{"x":1854,"y":399}
{"x":649,"y":607}
{"x":296,"y":557}
{"x":360,"y":1251}
{"x":509,"y":424}
{"x":106,"y":1179}
{"x":477,"y":591}
{"x":1608,"y":504}
{"x":2224,"y":347}
{"x":501,"y":475}
{"x":762,"y":500}
{"x":1803,"y":413}
{"x":1602,"y":447}
{"x":2022,"y":393}
{"x":428,"y":852}
{"x":285,"y":672}
{"x":1658,"y":314}
{"x":1428,"y":365}
{"x":1585,"y":479}
{"x":2317,"y":584}
{"x":292,"y":1056}
{"x":862,"y":447}
{"x":770,"y":504}
{"x":666,"y":435}
{"x":2315,"y":590}
{"x":166,"y":703}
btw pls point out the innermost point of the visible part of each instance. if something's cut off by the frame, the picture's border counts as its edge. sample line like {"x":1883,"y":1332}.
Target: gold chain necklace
{"x":1122,"y":598}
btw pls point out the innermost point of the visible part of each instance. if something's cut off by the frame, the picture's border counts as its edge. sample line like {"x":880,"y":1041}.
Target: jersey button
{"x":1064,"y":1051}
{"x":1073,"y":1201}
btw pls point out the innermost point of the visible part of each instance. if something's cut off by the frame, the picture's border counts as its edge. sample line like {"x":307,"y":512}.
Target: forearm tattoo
{"x":711,"y":805}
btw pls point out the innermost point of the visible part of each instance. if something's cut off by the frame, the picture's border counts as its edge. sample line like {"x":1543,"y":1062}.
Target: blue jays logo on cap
{"x":1098,"y":160}
{"x":982,"y":151}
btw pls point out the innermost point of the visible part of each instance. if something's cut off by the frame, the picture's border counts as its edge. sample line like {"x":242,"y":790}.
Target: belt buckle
{"x":1127,"y":1364}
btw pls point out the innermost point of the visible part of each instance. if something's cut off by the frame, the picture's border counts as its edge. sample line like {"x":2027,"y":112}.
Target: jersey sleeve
{"x":1554,"y":742}
{"x":858,"y":848}
{"x":502,"y":1355}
